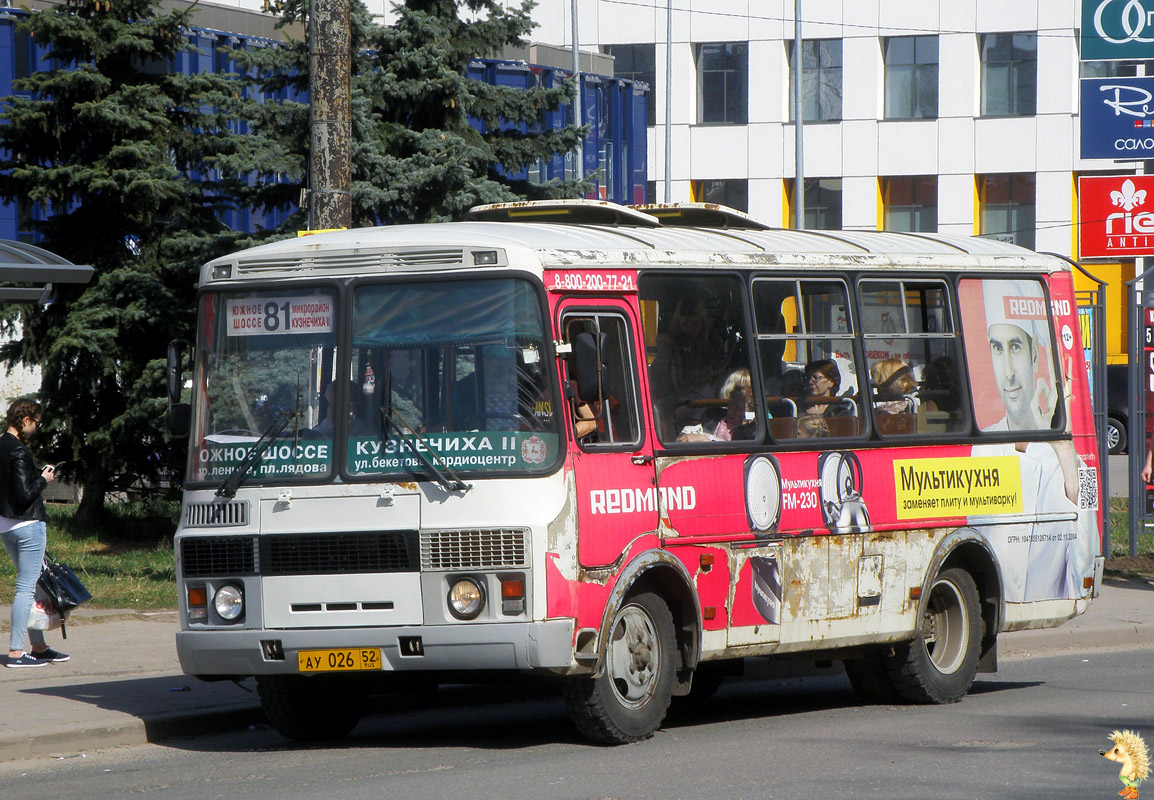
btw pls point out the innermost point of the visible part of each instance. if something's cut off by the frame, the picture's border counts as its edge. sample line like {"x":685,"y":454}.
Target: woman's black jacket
{"x":20,"y":481}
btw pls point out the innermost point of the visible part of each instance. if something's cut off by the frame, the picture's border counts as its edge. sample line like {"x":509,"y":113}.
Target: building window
{"x":1007,"y":207}
{"x":1009,"y":74}
{"x":23,"y":53}
{"x":822,"y":204}
{"x":732,"y":193}
{"x":910,"y":203}
{"x":1108,"y":69}
{"x":637,"y":62}
{"x":722,"y":83}
{"x":911,"y":77}
{"x":820,"y":80}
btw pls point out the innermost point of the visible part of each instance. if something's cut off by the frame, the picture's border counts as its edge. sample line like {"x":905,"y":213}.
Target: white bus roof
{"x":452,"y":245}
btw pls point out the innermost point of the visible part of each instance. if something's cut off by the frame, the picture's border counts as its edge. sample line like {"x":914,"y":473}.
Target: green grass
{"x":1120,"y":531}
{"x":128,"y":564}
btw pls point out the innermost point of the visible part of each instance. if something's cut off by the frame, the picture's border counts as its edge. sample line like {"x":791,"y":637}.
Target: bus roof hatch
{"x":701,"y":215}
{"x":586,"y":212}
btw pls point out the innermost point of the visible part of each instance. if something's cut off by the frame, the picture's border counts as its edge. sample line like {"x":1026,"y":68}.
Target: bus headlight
{"x":229,"y":602}
{"x":466,"y":598}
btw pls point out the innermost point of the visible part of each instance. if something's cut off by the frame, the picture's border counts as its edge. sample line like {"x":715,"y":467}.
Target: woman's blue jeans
{"x":25,"y":546}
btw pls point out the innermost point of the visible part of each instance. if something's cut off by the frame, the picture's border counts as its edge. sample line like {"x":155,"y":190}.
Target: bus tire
{"x":628,"y":701}
{"x":311,"y":709}
{"x":870,"y":678}
{"x":939,"y":665}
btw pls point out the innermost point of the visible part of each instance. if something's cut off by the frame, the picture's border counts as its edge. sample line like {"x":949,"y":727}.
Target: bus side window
{"x":912,"y":352}
{"x":701,"y":356}
{"x":607,"y":416}
{"x":805,"y":344}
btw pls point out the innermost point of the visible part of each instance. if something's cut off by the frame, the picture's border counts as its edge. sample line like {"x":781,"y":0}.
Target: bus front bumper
{"x":514,"y":646}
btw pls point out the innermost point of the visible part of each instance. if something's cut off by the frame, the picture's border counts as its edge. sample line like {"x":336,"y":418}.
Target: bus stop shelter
{"x":29,"y":274}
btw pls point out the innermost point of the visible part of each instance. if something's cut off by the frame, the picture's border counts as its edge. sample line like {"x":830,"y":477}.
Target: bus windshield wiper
{"x":232,"y":482}
{"x":392,"y":420}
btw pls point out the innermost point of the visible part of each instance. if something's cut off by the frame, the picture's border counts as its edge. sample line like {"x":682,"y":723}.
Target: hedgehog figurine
{"x":1130,"y":751}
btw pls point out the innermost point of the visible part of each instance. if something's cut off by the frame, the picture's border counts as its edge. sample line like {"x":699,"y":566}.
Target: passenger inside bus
{"x":894,"y":401}
{"x":822,"y":384}
{"x":739,"y":419}
{"x":894,"y":387}
{"x":941,"y":393}
{"x":685,"y":370}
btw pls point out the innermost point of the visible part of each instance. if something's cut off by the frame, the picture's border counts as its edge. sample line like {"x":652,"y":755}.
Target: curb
{"x":133,"y":731}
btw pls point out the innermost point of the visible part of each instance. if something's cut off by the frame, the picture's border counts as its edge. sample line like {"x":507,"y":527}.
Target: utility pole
{"x":798,"y":125}
{"x":330,"y":129}
{"x":579,"y":154}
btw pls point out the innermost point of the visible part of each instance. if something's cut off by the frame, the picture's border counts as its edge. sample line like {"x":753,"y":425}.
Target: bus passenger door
{"x":612,"y":462}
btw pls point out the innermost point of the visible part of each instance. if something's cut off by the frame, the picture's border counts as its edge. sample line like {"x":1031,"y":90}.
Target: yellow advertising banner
{"x":957,"y":487}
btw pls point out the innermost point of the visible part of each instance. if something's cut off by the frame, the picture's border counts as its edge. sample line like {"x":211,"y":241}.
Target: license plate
{"x":343,"y":660}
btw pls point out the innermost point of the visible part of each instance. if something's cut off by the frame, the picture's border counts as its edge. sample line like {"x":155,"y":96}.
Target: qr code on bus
{"x":1088,"y":488}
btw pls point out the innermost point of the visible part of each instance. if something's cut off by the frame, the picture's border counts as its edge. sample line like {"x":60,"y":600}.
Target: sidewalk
{"x":124,"y":686}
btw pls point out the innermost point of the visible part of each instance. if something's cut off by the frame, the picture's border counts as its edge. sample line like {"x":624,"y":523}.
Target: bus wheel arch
{"x":648,"y":645}
{"x":957,"y":622}
{"x":974,"y":556}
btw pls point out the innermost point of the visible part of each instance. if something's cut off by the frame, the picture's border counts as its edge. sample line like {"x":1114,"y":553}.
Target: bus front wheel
{"x":311,"y":709}
{"x":939,"y":665}
{"x":628,"y":701}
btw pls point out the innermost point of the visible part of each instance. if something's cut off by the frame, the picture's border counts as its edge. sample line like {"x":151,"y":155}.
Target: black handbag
{"x":63,"y":588}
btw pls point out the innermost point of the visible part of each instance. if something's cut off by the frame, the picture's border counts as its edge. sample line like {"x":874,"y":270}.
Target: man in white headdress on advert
{"x":1040,"y":560}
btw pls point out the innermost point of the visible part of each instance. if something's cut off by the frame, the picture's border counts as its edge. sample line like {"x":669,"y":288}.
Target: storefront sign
{"x":1116,"y":216}
{"x":1117,"y":118}
{"x":1117,"y":29}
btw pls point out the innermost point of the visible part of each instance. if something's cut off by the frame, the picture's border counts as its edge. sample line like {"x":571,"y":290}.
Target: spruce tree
{"x":121,"y":153}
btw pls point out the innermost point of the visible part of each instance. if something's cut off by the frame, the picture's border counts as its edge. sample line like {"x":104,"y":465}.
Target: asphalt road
{"x":1033,"y":730}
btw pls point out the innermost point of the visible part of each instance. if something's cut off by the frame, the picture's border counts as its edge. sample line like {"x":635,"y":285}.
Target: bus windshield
{"x":457,"y":370}
{"x":260,"y":358}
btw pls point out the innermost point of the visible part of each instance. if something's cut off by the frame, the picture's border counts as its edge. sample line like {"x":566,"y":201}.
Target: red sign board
{"x":1116,"y":216}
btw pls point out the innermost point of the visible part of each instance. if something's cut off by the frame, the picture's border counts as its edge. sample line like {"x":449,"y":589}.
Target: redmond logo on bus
{"x":629,"y":501}
{"x":1025,"y":307}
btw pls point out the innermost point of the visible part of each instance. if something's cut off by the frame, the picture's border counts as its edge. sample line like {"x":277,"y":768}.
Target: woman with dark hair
{"x":822,"y":381}
{"x":23,"y":528}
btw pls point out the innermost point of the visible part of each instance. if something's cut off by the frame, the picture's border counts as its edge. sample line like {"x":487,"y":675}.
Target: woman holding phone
{"x":23,"y":528}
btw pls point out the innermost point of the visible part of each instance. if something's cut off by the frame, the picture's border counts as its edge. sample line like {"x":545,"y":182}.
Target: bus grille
{"x":215,"y":515}
{"x":476,"y":549}
{"x":205,"y":556}
{"x":339,"y":553}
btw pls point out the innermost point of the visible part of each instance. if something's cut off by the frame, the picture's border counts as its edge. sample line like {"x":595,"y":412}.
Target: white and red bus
{"x":627,"y":449}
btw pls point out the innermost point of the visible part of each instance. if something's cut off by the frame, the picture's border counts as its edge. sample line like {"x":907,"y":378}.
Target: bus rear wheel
{"x":311,"y":709}
{"x":628,"y":701}
{"x":940,"y":664}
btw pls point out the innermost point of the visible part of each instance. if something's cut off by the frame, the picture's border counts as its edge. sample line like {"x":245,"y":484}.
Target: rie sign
{"x":1117,"y":118}
{"x":1116,"y":216}
{"x":1117,"y":29}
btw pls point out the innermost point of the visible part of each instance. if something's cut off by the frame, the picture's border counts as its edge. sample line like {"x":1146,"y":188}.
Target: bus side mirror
{"x":175,"y":371}
{"x":179,"y":420}
{"x":589,"y":361}
{"x":179,"y":417}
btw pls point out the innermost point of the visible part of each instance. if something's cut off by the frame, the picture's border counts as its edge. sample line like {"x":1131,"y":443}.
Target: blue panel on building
{"x":1117,"y":118}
